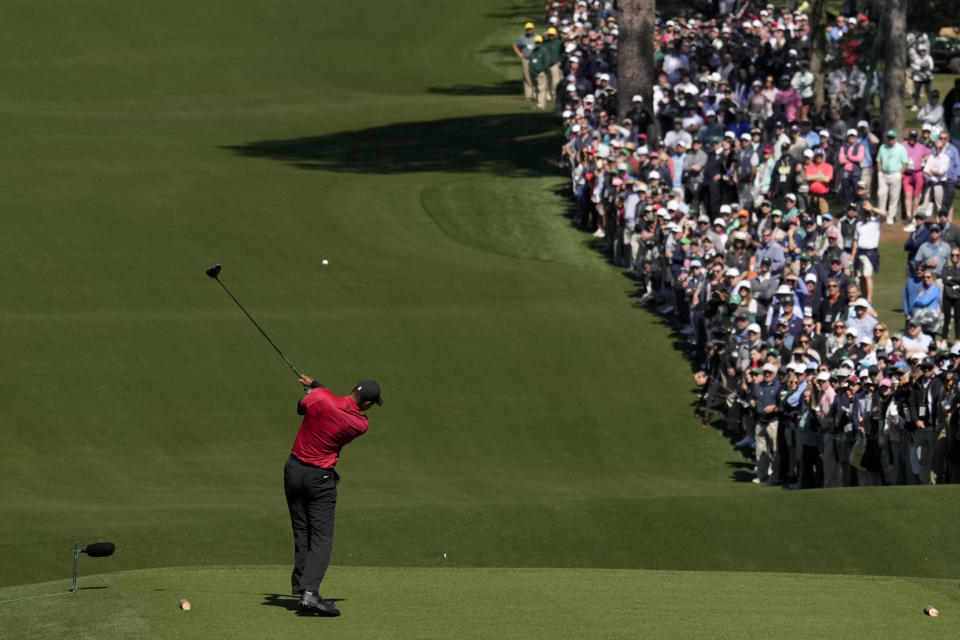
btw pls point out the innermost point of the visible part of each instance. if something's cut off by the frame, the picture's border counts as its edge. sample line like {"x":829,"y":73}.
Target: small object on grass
{"x":184,"y":604}
{"x":325,"y":261}
{"x":931,"y":611}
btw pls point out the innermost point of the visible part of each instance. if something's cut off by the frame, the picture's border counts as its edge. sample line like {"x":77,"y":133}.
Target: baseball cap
{"x":753,"y":327}
{"x":851,"y":132}
{"x":369,"y":390}
{"x":528,"y":25}
{"x":823,"y":376}
{"x":769,"y":368}
{"x":784,"y":290}
{"x":861,"y":302}
{"x":891,"y":133}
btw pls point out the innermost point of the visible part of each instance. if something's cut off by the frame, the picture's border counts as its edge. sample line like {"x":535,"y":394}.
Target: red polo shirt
{"x":329,"y":422}
{"x":824,"y":169}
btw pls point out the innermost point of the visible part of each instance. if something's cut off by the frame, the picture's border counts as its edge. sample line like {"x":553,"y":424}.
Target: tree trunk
{"x":635,"y":53}
{"x":818,"y":52}
{"x":895,"y":66}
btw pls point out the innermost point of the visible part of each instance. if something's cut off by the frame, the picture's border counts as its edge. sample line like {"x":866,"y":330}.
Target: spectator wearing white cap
{"x":746,"y":161}
{"x":850,"y":160}
{"x":921,"y":72}
{"x":802,"y":82}
{"x":870,"y":143}
{"x":861,"y":322}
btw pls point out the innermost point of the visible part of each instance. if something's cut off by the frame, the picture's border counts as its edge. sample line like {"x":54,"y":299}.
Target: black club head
{"x":214,"y":271}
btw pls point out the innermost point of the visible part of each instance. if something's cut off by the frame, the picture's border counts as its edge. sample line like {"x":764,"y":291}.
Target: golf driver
{"x":214,"y":272}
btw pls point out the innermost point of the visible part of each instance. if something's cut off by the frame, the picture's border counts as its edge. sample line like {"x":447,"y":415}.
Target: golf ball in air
{"x":325,"y":261}
{"x":444,"y":555}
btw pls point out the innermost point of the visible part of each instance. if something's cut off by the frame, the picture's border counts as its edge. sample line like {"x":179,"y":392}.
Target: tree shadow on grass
{"x":505,"y":88}
{"x":518,"y":145}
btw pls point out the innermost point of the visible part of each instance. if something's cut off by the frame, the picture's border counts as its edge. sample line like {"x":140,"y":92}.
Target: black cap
{"x":369,"y":390}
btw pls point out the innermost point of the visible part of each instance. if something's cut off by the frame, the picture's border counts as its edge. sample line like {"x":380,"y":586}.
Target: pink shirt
{"x":851,"y":158}
{"x":826,"y":400}
{"x":916,"y":152}
{"x":791,"y":101}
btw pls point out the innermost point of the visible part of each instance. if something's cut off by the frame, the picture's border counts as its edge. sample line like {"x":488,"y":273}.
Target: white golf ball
{"x":325,"y":261}
{"x":444,"y":555}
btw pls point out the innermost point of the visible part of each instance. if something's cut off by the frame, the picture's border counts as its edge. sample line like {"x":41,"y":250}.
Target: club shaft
{"x":264,"y":333}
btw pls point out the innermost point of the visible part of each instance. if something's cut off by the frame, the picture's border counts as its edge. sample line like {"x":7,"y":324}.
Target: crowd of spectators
{"x":753,"y":221}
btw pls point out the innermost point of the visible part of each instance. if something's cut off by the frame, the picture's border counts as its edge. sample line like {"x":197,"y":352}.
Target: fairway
{"x":537,"y":426}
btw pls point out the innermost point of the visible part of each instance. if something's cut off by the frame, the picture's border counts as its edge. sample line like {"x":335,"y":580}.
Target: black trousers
{"x":312,"y":500}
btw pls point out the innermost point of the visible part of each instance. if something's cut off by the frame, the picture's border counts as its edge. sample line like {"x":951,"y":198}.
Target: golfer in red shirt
{"x":310,"y":482}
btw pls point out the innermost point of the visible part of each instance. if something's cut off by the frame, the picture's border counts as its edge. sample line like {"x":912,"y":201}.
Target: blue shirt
{"x":773,"y":251}
{"x":939,"y":251}
{"x":794,"y":398}
{"x":868,"y":152}
{"x":928,"y":298}
{"x":678,"y":169}
{"x":911,"y":290}
{"x":813,"y":139}
{"x":766,"y":394}
{"x":954,"y":171}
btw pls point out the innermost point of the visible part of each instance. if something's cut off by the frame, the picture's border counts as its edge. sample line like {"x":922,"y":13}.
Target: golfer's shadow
{"x":286,"y":601}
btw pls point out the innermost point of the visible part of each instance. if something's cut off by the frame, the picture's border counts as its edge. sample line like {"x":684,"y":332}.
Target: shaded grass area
{"x":511,"y":145}
{"x":486,"y":603}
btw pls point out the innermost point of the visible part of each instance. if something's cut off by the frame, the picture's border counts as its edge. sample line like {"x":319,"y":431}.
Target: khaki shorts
{"x":864,"y":266}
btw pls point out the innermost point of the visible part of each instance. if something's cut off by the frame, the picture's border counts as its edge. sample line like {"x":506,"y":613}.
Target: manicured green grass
{"x":533,"y":418}
{"x":251,"y":602}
